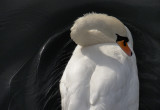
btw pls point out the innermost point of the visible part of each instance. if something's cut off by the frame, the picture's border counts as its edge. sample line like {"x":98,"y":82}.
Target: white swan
{"x":102,"y":72}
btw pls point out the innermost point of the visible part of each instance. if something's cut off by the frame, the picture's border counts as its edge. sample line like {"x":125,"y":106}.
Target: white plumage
{"x":100,"y":75}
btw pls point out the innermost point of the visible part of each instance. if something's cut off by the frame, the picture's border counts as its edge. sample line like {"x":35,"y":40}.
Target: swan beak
{"x":124,"y":47}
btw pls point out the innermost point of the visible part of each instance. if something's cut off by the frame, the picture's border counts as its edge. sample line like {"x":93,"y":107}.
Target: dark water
{"x":35,"y":48}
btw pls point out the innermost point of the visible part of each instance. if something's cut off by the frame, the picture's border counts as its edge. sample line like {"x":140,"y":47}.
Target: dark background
{"x":35,"y":47}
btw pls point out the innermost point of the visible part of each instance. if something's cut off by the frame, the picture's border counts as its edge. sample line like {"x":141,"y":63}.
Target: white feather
{"x":100,"y":77}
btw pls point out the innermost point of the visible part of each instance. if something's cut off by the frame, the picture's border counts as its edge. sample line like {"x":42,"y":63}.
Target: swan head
{"x":96,"y":28}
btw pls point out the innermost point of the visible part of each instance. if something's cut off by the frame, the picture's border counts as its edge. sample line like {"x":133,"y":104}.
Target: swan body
{"x":100,"y":75}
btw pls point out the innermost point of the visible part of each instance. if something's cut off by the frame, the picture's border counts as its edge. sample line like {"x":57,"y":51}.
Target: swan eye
{"x":120,"y":38}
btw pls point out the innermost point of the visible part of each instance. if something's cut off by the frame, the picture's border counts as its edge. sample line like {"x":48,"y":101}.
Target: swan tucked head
{"x":96,"y":28}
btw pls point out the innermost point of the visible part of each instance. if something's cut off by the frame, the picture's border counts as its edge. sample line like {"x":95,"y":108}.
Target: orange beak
{"x":124,"y":47}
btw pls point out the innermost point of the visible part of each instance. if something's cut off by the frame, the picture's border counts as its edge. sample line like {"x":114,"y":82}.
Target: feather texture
{"x":100,"y":76}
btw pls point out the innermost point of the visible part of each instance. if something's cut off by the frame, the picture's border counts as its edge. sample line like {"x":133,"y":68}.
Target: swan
{"x":102,"y":72}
